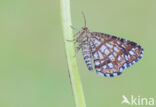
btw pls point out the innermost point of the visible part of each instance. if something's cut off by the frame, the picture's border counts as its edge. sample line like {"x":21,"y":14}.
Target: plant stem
{"x":70,"y":53}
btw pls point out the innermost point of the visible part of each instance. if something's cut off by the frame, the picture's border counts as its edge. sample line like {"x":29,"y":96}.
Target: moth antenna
{"x":84,"y":18}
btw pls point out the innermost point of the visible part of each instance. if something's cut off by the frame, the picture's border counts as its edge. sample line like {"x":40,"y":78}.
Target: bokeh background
{"x":33,"y":66}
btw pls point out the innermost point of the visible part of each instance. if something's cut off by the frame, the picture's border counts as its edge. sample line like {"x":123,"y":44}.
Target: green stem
{"x":70,"y":53}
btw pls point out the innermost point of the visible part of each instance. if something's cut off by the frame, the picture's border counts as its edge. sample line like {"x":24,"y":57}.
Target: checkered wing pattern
{"x":112,"y":55}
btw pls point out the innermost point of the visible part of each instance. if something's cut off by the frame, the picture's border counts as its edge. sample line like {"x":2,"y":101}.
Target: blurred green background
{"x":33,"y":66}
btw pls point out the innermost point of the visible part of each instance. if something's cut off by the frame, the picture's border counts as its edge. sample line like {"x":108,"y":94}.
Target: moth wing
{"x":112,"y":54}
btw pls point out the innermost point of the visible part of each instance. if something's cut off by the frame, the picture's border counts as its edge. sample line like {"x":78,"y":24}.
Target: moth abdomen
{"x":87,"y":56}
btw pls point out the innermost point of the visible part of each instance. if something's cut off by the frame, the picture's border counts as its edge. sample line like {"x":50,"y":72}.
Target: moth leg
{"x":74,"y":40}
{"x":71,"y":40}
{"x":76,"y":34}
{"x":74,"y":28}
{"x":78,"y":49}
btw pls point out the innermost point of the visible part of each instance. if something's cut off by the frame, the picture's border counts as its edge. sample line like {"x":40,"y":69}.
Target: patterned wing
{"x":112,"y":55}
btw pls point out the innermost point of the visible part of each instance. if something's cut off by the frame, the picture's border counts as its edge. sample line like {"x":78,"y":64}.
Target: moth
{"x":110,"y":54}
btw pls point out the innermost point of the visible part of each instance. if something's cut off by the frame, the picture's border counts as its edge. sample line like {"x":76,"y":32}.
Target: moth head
{"x":84,"y":30}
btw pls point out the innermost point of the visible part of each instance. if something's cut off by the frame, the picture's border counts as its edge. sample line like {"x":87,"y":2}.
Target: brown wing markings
{"x":109,"y":70}
{"x":122,"y":45}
